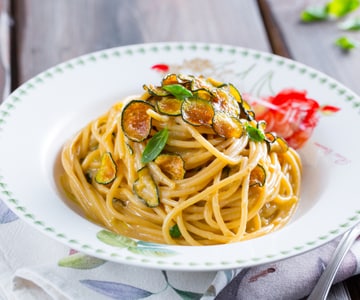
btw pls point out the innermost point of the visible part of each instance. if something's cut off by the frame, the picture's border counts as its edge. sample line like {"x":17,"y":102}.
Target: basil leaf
{"x":254,"y":133}
{"x":175,"y":231}
{"x":314,"y":13}
{"x":333,"y":8}
{"x":155,"y":145}
{"x":177,"y":90}
{"x":345,"y":43}
{"x":340,"y":8}
{"x":351,"y":24}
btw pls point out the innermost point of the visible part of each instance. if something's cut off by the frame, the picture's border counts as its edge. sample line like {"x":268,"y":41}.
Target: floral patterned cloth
{"x":32,"y":266}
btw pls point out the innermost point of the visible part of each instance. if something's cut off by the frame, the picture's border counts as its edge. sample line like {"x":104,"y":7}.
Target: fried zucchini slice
{"x":227,"y":126}
{"x":235,"y":93}
{"x":135,"y":122}
{"x":258,"y":176}
{"x":172,"y":165}
{"x":169,"y":106}
{"x":197,"y":111}
{"x":170,"y":79}
{"x":107,"y":172}
{"x":155,"y":90}
{"x":146,"y":189}
{"x":279,"y":145}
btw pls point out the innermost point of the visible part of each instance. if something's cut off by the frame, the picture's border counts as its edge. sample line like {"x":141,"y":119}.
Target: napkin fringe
{"x":30,"y":283}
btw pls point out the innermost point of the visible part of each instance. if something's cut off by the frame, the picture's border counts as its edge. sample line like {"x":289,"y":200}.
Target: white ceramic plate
{"x":37,"y":118}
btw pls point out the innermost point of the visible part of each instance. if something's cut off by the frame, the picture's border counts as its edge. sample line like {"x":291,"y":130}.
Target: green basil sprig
{"x":314,"y":13}
{"x":331,"y":9}
{"x":175,"y":231}
{"x":351,"y":24}
{"x":254,"y":133}
{"x":177,"y":90}
{"x":340,"y":8}
{"x":155,"y":145}
{"x":346,"y":43}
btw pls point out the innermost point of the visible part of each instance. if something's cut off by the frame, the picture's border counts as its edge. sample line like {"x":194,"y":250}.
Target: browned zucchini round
{"x":170,"y":79}
{"x":235,"y":93}
{"x":107,"y":172}
{"x":226,"y":103}
{"x":197,"y":112}
{"x":146,"y":189}
{"x":135,"y":122}
{"x":257,"y":176}
{"x":246,"y":111}
{"x":169,"y":106}
{"x":214,"y":82}
{"x":279,"y":146}
{"x":172,"y":165}
{"x":204,"y":94}
{"x":227,"y":126}
{"x":155,"y":90}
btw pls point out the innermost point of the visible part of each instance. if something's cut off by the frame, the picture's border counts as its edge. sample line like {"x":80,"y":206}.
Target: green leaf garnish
{"x":333,"y":8}
{"x":155,"y":145}
{"x":175,"y":231}
{"x":177,"y":90}
{"x":254,"y":133}
{"x":340,"y":8}
{"x":345,"y":43}
{"x":351,"y":24}
{"x":314,"y":13}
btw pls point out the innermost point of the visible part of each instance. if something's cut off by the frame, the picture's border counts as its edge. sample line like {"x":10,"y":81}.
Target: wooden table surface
{"x":37,"y":34}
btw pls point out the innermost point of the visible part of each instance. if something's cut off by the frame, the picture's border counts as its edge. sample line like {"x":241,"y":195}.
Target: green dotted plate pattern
{"x":147,"y":254}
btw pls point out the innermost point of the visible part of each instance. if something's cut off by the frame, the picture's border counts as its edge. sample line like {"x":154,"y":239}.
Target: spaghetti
{"x":184,"y":163}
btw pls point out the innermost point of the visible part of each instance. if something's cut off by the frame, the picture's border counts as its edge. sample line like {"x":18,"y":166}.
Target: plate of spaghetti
{"x":182,"y":156}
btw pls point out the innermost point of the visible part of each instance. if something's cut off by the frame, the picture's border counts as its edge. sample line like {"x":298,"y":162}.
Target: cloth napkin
{"x":33,"y":267}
